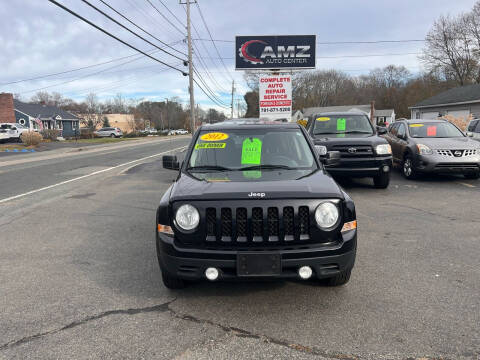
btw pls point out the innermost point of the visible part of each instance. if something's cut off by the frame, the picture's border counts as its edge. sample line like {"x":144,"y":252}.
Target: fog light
{"x":386,"y":168}
{"x":211,"y":274}
{"x":305,"y":272}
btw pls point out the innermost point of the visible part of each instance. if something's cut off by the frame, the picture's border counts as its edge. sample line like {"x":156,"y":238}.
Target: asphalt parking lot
{"x":79,"y":275}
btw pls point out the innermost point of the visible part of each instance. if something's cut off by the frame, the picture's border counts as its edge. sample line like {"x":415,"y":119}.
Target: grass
{"x":18,"y":146}
{"x":99,"y":140}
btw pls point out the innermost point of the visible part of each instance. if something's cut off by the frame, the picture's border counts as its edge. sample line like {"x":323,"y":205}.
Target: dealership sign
{"x":275,"y":93}
{"x":275,"y":52}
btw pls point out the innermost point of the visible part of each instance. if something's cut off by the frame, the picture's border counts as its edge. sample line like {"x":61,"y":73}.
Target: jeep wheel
{"x":340,"y":279}
{"x":407,"y":168}
{"x":172,"y":282}
{"x":381,"y":181}
{"x":473,"y":176}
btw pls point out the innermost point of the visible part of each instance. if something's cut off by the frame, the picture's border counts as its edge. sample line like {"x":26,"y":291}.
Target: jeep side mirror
{"x":170,"y":162}
{"x":469,"y":134}
{"x":381,"y":130}
{"x":332,"y":158}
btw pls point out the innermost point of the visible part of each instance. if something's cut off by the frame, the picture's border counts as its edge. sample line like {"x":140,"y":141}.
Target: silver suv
{"x":473,"y":129}
{"x":109,"y":132}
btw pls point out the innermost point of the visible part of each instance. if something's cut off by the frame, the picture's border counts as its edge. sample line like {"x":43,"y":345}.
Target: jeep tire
{"x":172,"y":282}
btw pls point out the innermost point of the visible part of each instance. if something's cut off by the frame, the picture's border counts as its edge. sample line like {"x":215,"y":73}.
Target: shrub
{"x":31,"y":138}
{"x":86,"y":133}
{"x":50,"y":134}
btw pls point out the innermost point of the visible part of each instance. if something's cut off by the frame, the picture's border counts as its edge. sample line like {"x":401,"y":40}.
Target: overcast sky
{"x":37,"y":38}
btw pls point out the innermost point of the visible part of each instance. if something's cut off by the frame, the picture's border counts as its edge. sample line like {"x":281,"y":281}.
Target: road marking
{"x":466,"y":184}
{"x":85,"y":176}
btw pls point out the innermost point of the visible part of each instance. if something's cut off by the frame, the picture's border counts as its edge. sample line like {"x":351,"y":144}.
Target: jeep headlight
{"x":326,"y":215}
{"x":187,"y":217}
{"x":383,"y":149}
{"x":424,"y":149}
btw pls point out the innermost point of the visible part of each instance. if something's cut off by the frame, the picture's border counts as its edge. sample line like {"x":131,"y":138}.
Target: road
{"x":79,"y":276}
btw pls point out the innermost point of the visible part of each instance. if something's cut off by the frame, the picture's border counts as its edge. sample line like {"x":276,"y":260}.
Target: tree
{"x":93,"y":111}
{"x":252,"y":99}
{"x":106,"y":122}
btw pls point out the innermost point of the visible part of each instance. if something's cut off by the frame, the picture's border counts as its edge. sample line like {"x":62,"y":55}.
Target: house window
{"x":59,"y":125}
{"x":417,"y":115}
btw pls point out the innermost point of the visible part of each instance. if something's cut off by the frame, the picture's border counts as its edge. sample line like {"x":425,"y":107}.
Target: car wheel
{"x":382,"y":181}
{"x":473,"y":176}
{"x":407,"y":168}
{"x":339,"y":280}
{"x":112,"y":135}
{"x":172,"y":282}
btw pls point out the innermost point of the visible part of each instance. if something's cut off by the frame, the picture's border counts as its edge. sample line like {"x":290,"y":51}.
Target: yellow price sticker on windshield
{"x":323,"y":119}
{"x":210,"y":146}
{"x":416,"y":125}
{"x":214,"y":136}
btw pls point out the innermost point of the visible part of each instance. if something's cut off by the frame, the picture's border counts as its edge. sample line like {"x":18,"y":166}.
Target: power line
{"x":166,"y":7}
{"x":334,"y":42}
{"x":226,"y":107}
{"x":166,"y":18}
{"x":205,"y":67}
{"x":211,"y":37}
{"x":349,"y":56}
{"x":130,"y":31}
{"x":113,"y":36}
{"x":142,"y":29}
{"x":207,"y":87}
{"x":78,"y":69}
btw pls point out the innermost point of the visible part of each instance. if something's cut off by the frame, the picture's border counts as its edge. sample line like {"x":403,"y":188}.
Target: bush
{"x":50,"y":134}
{"x":86,"y":133}
{"x":31,"y":138}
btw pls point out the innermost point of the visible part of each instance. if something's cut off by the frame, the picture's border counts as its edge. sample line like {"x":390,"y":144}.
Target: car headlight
{"x":383,"y":149}
{"x":424,"y":149}
{"x":326,"y":215}
{"x":187,"y":217}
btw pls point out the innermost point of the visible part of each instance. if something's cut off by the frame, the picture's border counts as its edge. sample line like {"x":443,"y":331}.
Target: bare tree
{"x":93,"y":115}
{"x":450,"y":49}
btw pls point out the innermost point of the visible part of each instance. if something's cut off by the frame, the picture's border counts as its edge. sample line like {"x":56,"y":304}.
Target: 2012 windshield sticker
{"x":214,"y":136}
{"x":210,"y":146}
{"x":416,"y":125}
{"x":323,"y":119}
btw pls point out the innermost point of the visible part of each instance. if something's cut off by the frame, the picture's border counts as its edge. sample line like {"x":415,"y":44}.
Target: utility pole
{"x":233,"y":91}
{"x":190,"y":68}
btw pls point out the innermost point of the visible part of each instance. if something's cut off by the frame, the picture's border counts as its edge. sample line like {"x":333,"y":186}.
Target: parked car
{"x":109,"y":132}
{"x":253,"y":201}
{"x":473,"y":129}
{"x":363,"y":152}
{"x":4,"y":135}
{"x":172,"y":132}
{"x":149,"y":131}
{"x":181,"y":132}
{"x":433,"y":146}
{"x":13,"y":130}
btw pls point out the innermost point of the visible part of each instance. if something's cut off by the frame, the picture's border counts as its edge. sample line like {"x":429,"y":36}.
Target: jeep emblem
{"x":252,"y":194}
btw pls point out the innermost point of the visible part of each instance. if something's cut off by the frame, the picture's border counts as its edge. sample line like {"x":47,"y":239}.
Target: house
{"x":460,"y":102}
{"x":387,"y":115}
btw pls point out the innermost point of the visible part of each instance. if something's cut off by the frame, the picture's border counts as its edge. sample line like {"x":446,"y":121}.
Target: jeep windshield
{"x":441,"y":129}
{"x":251,"y":149}
{"x":342,"y":124}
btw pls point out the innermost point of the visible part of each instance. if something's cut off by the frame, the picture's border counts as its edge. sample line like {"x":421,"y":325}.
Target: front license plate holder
{"x":259,"y":264}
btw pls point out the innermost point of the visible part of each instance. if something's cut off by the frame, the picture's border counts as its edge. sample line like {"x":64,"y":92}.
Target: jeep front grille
{"x":354,"y":150}
{"x":257,"y":224}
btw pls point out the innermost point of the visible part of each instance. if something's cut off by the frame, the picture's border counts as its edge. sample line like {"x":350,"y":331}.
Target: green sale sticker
{"x":341,"y":124}
{"x":251,"y":151}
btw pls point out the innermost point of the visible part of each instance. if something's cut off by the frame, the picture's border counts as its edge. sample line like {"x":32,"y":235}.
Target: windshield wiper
{"x":266,"y":167}
{"x":209,"y":168}
{"x":344,"y":132}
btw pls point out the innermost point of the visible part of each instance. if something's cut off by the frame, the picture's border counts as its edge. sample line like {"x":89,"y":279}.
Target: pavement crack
{"x":132,"y":311}
{"x":268,"y":339}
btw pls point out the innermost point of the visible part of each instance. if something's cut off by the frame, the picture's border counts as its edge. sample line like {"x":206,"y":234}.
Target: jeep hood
{"x":236,"y":185}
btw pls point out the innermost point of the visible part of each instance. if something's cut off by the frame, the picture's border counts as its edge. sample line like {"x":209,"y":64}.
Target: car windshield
{"x":250,"y":149}
{"x":342,"y":124}
{"x":434,"y":130}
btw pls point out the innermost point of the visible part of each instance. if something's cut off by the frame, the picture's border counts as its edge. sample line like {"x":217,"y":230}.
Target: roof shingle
{"x":463,"y":94}
{"x":44,"y":111}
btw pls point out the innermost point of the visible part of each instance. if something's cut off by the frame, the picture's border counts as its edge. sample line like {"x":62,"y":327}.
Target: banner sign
{"x":275,"y":93}
{"x":275,"y":52}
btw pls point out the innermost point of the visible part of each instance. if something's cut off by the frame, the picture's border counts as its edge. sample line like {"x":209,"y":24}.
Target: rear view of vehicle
{"x":363,"y":152}
{"x":4,"y":135}
{"x":433,"y":146}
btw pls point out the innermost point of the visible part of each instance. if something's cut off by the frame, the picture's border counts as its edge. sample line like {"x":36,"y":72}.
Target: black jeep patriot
{"x":363,"y":152}
{"x":253,"y":201}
